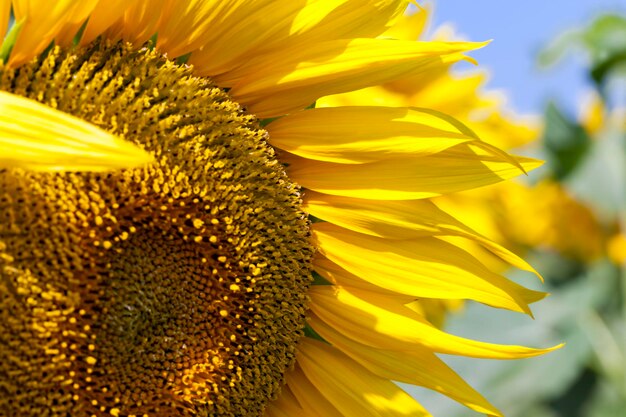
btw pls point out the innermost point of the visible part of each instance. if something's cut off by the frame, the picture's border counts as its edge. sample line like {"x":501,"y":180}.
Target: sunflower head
{"x":172,"y":288}
{"x":155,"y":250}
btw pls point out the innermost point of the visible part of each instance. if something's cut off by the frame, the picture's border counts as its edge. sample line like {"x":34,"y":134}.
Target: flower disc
{"x":178,"y":288}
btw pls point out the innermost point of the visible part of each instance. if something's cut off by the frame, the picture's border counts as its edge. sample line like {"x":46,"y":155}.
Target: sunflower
{"x":183,"y":232}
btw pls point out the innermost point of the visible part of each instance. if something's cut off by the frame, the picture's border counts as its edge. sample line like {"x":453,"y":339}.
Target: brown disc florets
{"x":174,"y":289}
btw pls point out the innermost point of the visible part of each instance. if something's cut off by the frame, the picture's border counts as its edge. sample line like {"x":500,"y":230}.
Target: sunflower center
{"x":173,"y":289}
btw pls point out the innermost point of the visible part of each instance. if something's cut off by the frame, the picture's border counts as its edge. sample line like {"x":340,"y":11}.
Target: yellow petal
{"x":410,"y":27}
{"x":370,"y":96}
{"x":44,"y":20}
{"x":308,"y":396}
{"x":479,"y":145}
{"x":389,"y":219}
{"x":363,"y":134}
{"x":291,"y":79}
{"x":240,"y":30}
{"x":335,"y":274}
{"x":286,"y":405}
{"x":345,"y":19}
{"x":274,"y":411}
{"x":76,"y":18}
{"x":138,"y":23}
{"x":425,"y":267}
{"x":190,"y":24}
{"x":459,"y":168}
{"x":350,"y":387}
{"x":400,"y":220}
{"x":37,"y":137}
{"x":418,"y":367}
{"x":105,"y":14}
{"x":246,"y":29}
{"x":382,"y":323}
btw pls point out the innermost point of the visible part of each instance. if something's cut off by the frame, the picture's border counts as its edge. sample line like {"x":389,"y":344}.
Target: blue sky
{"x":519,"y":29}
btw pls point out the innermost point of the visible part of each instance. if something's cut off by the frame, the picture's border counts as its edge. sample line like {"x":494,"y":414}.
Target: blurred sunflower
{"x":539,"y":216}
{"x":179,"y":285}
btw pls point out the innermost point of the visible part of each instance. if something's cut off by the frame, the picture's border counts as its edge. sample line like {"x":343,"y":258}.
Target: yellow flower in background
{"x":617,"y":248}
{"x":181,"y":285}
{"x":540,"y":216}
{"x":547,"y":223}
{"x":521,"y":217}
{"x":557,"y":207}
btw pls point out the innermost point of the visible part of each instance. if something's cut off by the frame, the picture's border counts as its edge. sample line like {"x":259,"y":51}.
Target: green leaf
{"x":599,"y":180}
{"x":522,"y":388}
{"x":604,"y":41}
{"x":558,"y":48}
{"x":565,"y":141}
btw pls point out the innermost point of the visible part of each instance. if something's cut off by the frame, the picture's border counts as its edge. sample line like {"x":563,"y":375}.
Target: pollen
{"x":174,"y":289}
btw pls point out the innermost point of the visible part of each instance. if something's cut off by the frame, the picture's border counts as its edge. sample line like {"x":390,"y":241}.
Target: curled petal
{"x":37,"y":137}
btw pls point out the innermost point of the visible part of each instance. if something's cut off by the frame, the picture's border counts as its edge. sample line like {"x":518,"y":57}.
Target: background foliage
{"x":583,"y":261}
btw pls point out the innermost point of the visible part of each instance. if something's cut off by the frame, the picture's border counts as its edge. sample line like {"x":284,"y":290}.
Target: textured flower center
{"x":174,"y":289}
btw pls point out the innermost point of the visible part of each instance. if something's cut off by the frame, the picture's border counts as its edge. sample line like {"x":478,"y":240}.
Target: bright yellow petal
{"x":190,"y":24}
{"x":418,"y":367}
{"x":245,"y":29}
{"x":410,"y":27}
{"x":138,"y":23}
{"x":425,"y":267}
{"x":336,"y":275}
{"x":37,"y":137}
{"x":341,"y":134}
{"x":370,"y":96}
{"x":308,"y":396}
{"x":75,"y":20}
{"x":286,"y":80}
{"x":459,"y":168}
{"x":351,"y":388}
{"x":399,"y":220}
{"x":242,"y":29}
{"x":382,"y":323}
{"x":44,"y":20}
{"x":405,"y":219}
{"x":345,"y":19}
{"x":105,"y":14}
